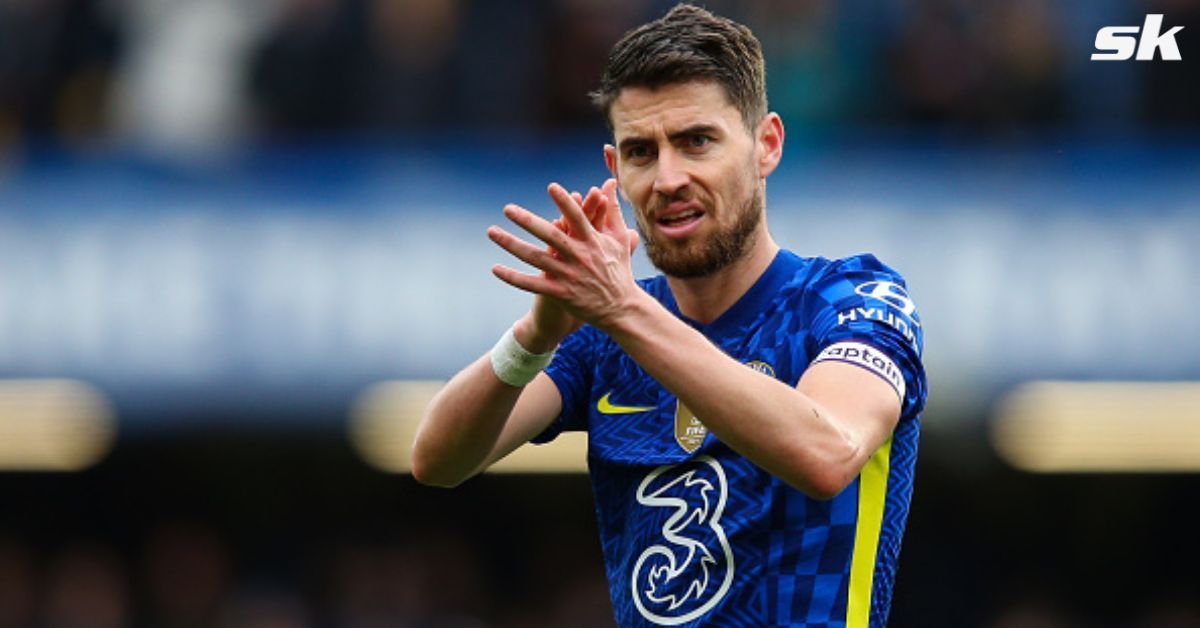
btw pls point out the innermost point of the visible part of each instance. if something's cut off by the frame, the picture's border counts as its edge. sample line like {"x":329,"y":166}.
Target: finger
{"x":540,"y":228}
{"x":580,"y":228}
{"x":526,"y":252}
{"x":615,"y":221}
{"x":594,"y":208}
{"x":529,"y":283}
{"x":610,"y":190}
{"x":560,"y":224}
{"x":609,"y":187}
{"x":578,"y":198}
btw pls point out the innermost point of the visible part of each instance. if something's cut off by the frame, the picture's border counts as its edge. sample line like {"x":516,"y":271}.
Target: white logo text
{"x":1118,"y":42}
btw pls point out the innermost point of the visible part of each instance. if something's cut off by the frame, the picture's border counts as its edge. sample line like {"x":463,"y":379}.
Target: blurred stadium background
{"x":237,"y":235}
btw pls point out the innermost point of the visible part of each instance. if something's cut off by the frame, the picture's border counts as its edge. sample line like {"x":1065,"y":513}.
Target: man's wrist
{"x":515,"y":365}
{"x":527,"y":335}
{"x":629,"y":318}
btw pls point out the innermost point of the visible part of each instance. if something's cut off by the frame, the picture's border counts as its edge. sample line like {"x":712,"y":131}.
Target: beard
{"x":698,"y":256}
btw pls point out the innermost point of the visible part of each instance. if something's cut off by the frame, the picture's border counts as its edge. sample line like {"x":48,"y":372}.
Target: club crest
{"x":762,"y":367}
{"x":689,"y":431}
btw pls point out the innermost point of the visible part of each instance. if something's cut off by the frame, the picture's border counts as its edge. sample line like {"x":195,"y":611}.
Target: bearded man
{"x":752,"y":414}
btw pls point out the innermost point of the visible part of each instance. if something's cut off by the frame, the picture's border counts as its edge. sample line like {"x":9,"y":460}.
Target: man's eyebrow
{"x":630,"y":142}
{"x":695,"y":129}
{"x":674,"y":136}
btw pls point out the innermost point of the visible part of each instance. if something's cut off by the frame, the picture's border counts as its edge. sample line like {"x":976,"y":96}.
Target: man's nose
{"x":672,"y":174}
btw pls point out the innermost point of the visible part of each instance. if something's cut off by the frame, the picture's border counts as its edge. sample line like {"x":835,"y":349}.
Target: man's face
{"x":690,"y":168}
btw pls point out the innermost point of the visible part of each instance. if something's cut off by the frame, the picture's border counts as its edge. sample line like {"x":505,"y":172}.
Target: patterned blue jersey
{"x":695,"y":534}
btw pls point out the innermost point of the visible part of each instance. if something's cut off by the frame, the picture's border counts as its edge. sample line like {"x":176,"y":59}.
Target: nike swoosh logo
{"x":606,"y":407}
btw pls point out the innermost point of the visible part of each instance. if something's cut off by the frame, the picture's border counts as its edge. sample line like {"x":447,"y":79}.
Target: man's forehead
{"x":639,"y":110}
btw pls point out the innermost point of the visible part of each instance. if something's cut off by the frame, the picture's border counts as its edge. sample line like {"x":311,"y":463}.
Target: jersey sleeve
{"x":861,"y":313}
{"x":572,"y":371}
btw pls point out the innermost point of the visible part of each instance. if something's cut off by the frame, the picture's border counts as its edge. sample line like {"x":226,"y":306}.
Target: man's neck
{"x":704,"y":299}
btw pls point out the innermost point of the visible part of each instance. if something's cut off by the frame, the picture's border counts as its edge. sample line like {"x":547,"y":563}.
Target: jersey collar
{"x":751,"y":304}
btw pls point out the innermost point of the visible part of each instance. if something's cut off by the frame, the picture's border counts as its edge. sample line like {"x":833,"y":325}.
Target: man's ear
{"x":770,"y":144}
{"x":610,"y":160}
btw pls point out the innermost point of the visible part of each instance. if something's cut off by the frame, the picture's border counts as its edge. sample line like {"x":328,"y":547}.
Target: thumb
{"x":633,"y":240}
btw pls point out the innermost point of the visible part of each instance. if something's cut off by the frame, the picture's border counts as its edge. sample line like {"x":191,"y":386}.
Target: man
{"x":752,"y":414}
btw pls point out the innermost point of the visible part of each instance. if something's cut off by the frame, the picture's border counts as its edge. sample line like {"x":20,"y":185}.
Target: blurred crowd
{"x":196,"y":74}
{"x":186,"y":575}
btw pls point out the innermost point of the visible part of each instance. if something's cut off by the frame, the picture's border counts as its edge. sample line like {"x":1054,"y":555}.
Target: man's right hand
{"x":547,"y":323}
{"x":477,"y":419}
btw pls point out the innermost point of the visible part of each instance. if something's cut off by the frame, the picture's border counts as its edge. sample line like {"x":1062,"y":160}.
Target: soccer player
{"x":752,"y":414}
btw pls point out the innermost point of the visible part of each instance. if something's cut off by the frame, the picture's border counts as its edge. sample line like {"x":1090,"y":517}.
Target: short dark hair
{"x":688,"y":44}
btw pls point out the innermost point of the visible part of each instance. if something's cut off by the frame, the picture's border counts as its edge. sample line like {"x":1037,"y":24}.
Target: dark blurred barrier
{"x":268,"y":529}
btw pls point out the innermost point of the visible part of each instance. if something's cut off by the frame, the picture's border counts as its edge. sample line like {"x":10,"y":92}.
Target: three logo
{"x":690,"y":568}
{"x":1118,"y":43}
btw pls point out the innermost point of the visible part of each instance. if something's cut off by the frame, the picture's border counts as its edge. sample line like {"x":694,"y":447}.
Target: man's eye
{"x":699,"y":141}
{"x":637,"y":152}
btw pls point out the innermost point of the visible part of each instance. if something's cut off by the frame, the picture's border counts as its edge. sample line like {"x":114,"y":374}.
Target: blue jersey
{"x":695,"y":534}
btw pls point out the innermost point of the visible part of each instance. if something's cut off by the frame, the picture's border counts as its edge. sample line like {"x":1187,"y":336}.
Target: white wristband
{"x":514,"y":364}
